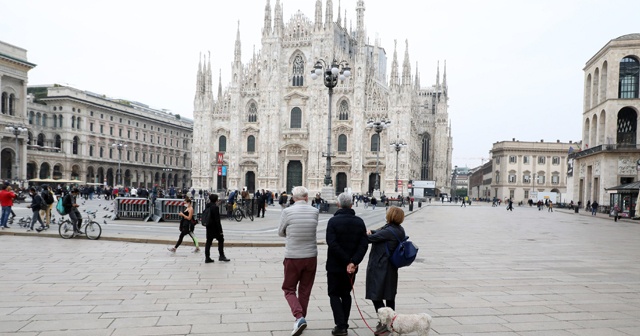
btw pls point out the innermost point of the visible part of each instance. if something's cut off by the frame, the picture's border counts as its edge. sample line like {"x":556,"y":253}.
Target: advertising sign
{"x":219,"y":170}
{"x":220,"y":156}
{"x":224,"y":170}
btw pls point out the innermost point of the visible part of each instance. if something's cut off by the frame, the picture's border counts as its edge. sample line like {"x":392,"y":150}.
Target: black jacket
{"x":382,"y":276}
{"x":36,"y":202}
{"x":214,"y":226}
{"x":67,"y":202}
{"x":346,"y":239}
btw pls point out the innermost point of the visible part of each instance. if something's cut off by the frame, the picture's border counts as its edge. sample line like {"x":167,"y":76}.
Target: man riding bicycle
{"x":71,"y":208}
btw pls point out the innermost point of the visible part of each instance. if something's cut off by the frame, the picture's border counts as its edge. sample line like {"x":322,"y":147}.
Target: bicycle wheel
{"x":93,"y":230}
{"x":65,"y":229}
{"x":250,"y":214}
{"x":237,"y":214}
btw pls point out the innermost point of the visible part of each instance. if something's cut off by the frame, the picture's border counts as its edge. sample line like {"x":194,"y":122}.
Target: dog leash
{"x":357,"y":306}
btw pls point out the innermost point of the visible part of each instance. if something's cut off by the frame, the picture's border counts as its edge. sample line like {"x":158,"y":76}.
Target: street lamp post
{"x":378,"y":127}
{"x":453,"y":178}
{"x":397,"y":145}
{"x":119,"y":147}
{"x":16,"y":130}
{"x":332,"y":73}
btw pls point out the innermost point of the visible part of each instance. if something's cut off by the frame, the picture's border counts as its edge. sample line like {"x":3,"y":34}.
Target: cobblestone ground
{"x":481,"y":271}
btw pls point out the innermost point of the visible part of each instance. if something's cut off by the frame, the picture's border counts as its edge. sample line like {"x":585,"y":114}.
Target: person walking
{"x":48,"y":199}
{"x":36,"y":205}
{"x":186,"y":226}
{"x":374,"y":202}
{"x":214,"y":231}
{"x":594,"y":208}
{"x":299,"y":224}
{"x":283,"y":200}
{"x":70,"y":204}
{"x":6,"y":201}
{"x":347,"y":244}
{"x":464,"y":202}
{"x":510,"y":205}
{"x":615,"y":212}
{"x":382,"y":276}
{"x":550,"y":206}
{"x":262,"y":203}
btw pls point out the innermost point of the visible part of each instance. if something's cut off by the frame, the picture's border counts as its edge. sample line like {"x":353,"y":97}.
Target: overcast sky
{"x":514,"y":67}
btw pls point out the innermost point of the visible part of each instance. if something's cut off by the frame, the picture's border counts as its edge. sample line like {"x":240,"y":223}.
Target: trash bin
{"x":419,"y":204}
{"x":410,"y":206}
{"x":577,"y":209}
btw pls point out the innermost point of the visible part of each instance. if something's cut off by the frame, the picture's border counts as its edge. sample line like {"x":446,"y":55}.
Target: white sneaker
{"x":171,"y":249}
{"x":298,"y":326}
{"x":196,"y":250}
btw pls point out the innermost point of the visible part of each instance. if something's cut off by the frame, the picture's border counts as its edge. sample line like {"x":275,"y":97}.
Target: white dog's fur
{"x":405,"y":323}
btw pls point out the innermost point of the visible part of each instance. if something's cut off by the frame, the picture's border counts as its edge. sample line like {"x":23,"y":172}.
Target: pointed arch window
{"x":629,"y":77}
{"x":222,"y":144}
{"x":296,"y":118}
{"x":375,"y":142}
{"x":343,"y":110}
{"x":298,"y":71}
{"x":342,"y":143}
{"x":253,"y":113}
{"x":251,"y":144}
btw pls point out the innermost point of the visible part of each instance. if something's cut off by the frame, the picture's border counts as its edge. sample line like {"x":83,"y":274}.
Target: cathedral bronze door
{"x":294,"y":175}
{"x":341,"y":183}
{"x":372,"y":182}
{"x":250,"y":181}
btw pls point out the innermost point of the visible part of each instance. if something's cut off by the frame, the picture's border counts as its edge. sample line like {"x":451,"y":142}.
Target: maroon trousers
{"x":299,"y":275}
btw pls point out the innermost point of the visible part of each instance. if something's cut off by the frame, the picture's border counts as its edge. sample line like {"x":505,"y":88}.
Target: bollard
{"x":410,"y":206}
{"x":419,"y":204}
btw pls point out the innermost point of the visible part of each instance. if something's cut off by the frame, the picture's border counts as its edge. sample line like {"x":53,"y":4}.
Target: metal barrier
{"x":167,"y":209}
{"x":132,"y":208}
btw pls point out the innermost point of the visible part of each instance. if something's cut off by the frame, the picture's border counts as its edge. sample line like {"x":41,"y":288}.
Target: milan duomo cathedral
{"x":268,"y":128}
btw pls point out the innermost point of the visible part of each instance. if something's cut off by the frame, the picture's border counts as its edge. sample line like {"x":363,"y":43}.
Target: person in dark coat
{"x":382,"y":276}
{"x":347,"y":245}
{"x":214,"y":230}
{"x":262,"y":203}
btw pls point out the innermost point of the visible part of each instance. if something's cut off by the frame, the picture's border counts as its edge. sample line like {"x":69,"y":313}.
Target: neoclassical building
{"x":523,"y":168}
{"x":610,"y":121}
{"x":14,"y":69}
{"x":71,"y":134}
{"x":269,"y":125}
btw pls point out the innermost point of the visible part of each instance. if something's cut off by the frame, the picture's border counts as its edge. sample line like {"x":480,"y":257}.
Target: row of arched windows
{"x":626,"y":128}
{"x":8,"y":103}
{"x":628,"y":82}
{"x":43,"y":119}
{"x":342,"y":143}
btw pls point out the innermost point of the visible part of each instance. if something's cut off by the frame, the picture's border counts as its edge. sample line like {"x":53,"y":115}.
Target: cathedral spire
{"x":444,"y":76}
{"x":406,"y":66}
{"x":199,"y":88}
{"x":339,"y":19}
{"x":318,"y":25}
{"x":360,"y":23}
{"x":417,"y":79}
{"x":345,"y":19}
{"x":220,"y":85}
{"x":328,"y":20}
{"x":278,"y":22}
{"x":438,"y":78}
{"x":237,"y":55}
{"x":394,"y":66}
{"x":266,"y":31}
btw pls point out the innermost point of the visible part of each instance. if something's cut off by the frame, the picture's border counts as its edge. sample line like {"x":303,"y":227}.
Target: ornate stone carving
{"x":626,"y":166}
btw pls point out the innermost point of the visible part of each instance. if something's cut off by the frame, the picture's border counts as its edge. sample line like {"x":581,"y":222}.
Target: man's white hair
{"x":299,"y":193}
{"x":344,"y":201}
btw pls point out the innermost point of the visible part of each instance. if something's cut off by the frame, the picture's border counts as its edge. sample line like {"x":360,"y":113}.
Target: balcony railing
{"x":604,"y":148}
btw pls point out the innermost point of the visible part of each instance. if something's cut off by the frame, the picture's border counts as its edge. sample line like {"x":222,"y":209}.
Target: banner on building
{"x":220,"y":156}
{"x":219,"y":170}
{"x":224,"y":170}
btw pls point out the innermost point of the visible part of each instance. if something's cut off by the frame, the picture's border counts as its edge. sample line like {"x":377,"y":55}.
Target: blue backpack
{"x":404,"y":254}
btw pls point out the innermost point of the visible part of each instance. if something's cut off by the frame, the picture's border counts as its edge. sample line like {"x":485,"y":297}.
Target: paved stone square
{"x":481,"y":271}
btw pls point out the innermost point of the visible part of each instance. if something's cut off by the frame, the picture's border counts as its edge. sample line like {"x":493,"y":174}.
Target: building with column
{"x":523,"y":168}
{"x":14,"y":69}
{"x":480,"y":181}
{"x":72,"y":133}
{"x":610,"y":154}
{"x":270,"y":122}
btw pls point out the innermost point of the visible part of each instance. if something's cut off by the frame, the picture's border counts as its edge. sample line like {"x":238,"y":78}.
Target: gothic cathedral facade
{"x":268,"y":128}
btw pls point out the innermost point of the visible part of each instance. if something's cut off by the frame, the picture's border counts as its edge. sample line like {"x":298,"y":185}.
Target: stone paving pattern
{"x":481,"y":271}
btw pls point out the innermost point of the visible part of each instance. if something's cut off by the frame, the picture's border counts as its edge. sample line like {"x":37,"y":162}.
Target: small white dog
{"x":402,"y":324}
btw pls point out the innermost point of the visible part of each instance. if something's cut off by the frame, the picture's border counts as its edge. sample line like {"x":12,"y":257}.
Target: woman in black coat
{"x":382,"y":276}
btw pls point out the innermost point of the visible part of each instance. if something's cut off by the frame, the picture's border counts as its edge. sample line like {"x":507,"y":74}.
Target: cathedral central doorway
{"x":341,"y":183}
{"x":294,"y":175}
{"x":250,"y":181}
{"x":372,"y":182}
